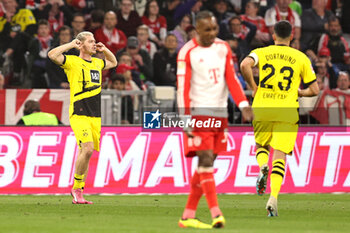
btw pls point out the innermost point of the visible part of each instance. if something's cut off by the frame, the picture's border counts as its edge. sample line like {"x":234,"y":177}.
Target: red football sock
{"x":194,"y":197}
{"x":208,"y":186}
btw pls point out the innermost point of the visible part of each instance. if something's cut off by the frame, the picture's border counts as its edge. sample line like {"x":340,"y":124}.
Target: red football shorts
{"x":207,"y":138}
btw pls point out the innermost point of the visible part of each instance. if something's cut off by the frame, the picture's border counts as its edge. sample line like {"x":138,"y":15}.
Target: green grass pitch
{"x":244,"y":213}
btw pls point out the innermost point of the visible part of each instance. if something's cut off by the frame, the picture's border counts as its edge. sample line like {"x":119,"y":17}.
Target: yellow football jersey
{"x":84,"y":79}
{"x":23,"y":17}
{"x":281,"y":69}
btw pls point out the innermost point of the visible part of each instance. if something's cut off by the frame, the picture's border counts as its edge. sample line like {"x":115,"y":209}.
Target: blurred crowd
{"x":147,"y":35}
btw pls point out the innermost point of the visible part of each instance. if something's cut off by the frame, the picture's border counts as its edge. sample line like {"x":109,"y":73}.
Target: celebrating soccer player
{"x":275,"y":104}
{"x":84,"y":76}
{"x":204,"y":75}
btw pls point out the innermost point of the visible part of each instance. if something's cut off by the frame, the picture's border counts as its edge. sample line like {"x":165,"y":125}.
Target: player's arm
{"x":236,"y":89}
{"x":110,"y":59}
{"x":56,"y":54}
{"x":184,"y":75}
{"x":309,"y":78}
{"x":246,"y":69}
{"x":312,"y":90}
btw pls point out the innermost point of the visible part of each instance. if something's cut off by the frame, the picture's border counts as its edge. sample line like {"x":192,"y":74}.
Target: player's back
{"x":281,"y":69}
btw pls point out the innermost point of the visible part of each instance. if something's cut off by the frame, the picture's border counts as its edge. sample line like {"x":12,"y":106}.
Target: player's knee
{"x":88,"y":149}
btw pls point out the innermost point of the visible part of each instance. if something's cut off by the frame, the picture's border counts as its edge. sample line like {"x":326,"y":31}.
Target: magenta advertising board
{"x":40,"y":160}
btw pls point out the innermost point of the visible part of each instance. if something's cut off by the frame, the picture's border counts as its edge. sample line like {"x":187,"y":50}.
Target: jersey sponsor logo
{"x":95,"y":76}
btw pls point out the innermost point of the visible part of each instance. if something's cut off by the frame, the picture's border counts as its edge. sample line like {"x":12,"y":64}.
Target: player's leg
{"x":206,"y":173}
{"x":81,"y":167}
{"x":262,"y":134}
{"x":283,"y":140}
{"x":189,"y":215}
{"x":276,"y":178}
{"x":262,"y":157}
{"x":193,"y":198}
{"x":83,"y":132}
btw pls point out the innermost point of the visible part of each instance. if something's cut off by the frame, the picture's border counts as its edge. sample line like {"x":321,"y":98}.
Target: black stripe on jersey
{"x":90,"y":106}
{"x":87,"y":89}
{"x":309,"y":83}
{"x":84,"y":88}
{"x":104,"y":63}
{"x":64,"y":59}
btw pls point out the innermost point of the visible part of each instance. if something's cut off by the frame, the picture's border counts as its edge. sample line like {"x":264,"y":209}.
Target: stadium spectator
{"x":13,"y":44}
{"x":57,"y":77}
{"x":56,"y":12}
{"x":19,"y":25}
{"x":262,"y":36}
{"x":2,"y":81}
{"x":297,"y":7}
{"x":341,"y":8}
{"x":130,"y":85}
{"x":244,"y":35}
{"x":84,"y":75}
{"x":38,"y":49}
{"x":325,"y":68}
{"x":14,"y":15}
{"x":164,"y":63}
{"x":128,"y":19}
{"x":191,"y":32}
{"x":78,"y":24}
{"x":282,"y":11}
{"x":109,"y":35}
{"x":180,"y":32}
{"x":125,"y":58}
{"x":188,"y":7}
{"x":141,"y":60}
{"x":155,"y":22}
{"x":32,"y":115}
{"x":127,"y":112}
{"x":204,"y":76}
{"x":343,"y":82}
{"x":264,"y":5}
{"x":221,"y":11}
{"x":337,"y":44}
{"x":169,"y":12}
{"x":96,"y":20}
{"x":144,"y":42}
{"x":314,"y":22}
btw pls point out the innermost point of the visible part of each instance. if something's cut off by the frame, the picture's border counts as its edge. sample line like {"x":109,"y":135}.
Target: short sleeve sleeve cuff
{"x":255,"y":57}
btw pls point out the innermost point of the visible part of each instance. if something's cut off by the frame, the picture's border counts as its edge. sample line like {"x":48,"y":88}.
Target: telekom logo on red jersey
{"x":40,"y":160}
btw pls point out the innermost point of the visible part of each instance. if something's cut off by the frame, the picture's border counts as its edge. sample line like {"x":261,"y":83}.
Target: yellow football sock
{"x":78,"y":181}
{"x":276,"y":177}
{"x":262,"y":156}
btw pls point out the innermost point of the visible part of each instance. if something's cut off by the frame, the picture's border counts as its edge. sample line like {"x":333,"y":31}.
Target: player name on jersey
{"x":280,"y":56}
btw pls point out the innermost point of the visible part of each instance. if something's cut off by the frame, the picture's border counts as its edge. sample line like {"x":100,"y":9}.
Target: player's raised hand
{"x":76,"y":43}
{"x":100,"y":47}
{"x":247,"y":113}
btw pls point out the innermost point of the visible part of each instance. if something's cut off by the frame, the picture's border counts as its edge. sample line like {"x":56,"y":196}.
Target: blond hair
{"x":82,"y":35}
